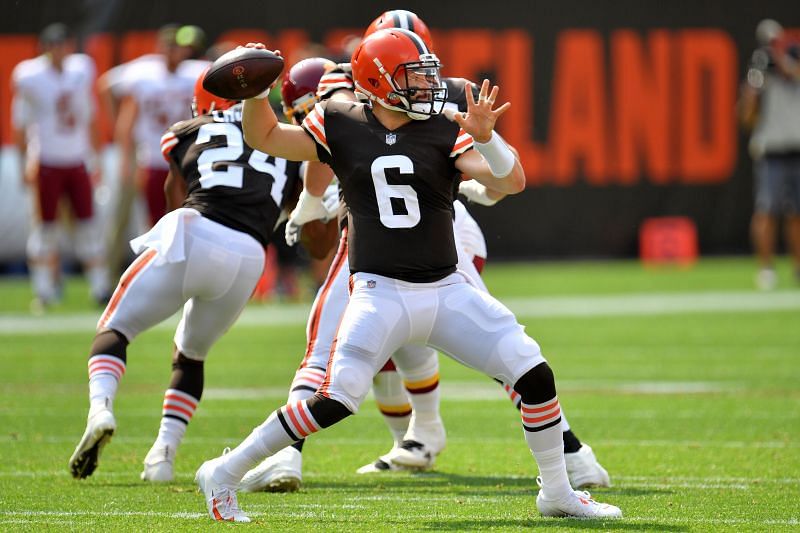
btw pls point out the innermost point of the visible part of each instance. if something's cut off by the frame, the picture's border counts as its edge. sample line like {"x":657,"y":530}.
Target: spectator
{"x":770,"y":107}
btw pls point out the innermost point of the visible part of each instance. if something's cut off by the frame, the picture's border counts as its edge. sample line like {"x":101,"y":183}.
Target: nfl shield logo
{"x":391,"y":138}
{"x":370,"y":284}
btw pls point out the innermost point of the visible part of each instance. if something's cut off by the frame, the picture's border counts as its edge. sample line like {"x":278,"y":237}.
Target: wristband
{"x":500,"y":158}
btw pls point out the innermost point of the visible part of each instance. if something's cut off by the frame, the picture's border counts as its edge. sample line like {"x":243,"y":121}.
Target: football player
{"x":54,"y":121}
{"x":204,"y":256}
{"x":398,"y":163}
{"x":417,"y":444}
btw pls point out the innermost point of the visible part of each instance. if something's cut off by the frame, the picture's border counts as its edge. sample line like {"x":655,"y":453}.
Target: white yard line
{"x":545,"y":307}
{"x":33,"y":516}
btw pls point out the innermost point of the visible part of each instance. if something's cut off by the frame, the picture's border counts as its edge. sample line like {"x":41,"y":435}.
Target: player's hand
{"x":476,"y":193}
{"x":309,"y":207}
{"x":480,"y":117}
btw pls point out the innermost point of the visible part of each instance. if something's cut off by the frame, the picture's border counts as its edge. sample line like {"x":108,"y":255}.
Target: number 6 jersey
{"x":226,"y":180}
{"x":398,"y":186}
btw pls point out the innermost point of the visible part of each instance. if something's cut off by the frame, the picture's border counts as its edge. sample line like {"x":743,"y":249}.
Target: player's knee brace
{"x":187,"y":375}
{"x":326,"y":411}
{"x":110,"y":342}
{"x":536,"y":386}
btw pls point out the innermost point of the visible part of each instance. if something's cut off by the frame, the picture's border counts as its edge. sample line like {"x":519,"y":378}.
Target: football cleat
{"x":158,"y":464}
{"x":383,"y":463}
{"x":578,"y":505}
{"x":281,"y":472}
{"x":584,"y":471}
{"x":412,"y":454}
{"x":100,"y":426}
{"x":220,"y":499}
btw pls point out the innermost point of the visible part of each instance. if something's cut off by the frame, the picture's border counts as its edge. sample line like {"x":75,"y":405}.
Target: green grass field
{"x":685,"y":382}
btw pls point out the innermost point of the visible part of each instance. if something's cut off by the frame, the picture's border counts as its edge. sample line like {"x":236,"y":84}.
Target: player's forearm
{"x":317,"y":177}
{"x":258,"y":122}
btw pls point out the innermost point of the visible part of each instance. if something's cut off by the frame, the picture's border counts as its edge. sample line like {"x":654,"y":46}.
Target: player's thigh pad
{"x":219,"y":281}
{"x":373,"y":326}
{"x":476,"y":329}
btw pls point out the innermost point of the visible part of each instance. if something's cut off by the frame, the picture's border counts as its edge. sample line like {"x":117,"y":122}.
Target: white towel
{"x":166,"y":237}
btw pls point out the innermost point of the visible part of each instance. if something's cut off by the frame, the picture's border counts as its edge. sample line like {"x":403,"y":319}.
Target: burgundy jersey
{"x":398,"y":186}
{"x":227,"y":181}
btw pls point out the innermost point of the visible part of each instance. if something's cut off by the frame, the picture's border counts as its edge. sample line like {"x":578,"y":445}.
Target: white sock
{"x":542,"y":427}
{"x":170,"y":433}
{"x":105,"y":371}
{"x":262,"y":442}
{"x":392,"y":400}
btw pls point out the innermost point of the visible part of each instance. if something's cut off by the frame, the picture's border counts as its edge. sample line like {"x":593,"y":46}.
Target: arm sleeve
{"x":339,"y":78}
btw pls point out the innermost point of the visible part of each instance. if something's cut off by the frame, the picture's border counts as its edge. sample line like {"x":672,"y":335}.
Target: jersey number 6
{"x":385,"y":193}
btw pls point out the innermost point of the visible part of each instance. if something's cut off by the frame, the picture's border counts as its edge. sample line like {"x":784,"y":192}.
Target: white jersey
{"x":468,"y":232}
{"x":162,"y":99}
{"x":55,"y":108}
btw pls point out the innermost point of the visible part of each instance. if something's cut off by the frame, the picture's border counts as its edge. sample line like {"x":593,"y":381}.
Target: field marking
{"x":331,"y":510}
{"x":544,"y":307}
{"x":384,"y":438}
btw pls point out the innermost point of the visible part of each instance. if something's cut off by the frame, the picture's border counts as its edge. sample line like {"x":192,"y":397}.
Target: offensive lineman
{"x":205,"y":256}
{"x":398,"y":163}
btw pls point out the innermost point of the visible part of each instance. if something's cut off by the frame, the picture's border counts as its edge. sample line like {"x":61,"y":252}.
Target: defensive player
{"x":205,"y":256}
{"x":53,"y":115}
{"x":398,"y":163}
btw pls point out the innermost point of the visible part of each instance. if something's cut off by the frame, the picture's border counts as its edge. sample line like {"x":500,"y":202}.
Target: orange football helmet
{"x":299,"y":87}
{"x":400,"y":18}
{"x":395,"y":68}
{"x":203,"y":102}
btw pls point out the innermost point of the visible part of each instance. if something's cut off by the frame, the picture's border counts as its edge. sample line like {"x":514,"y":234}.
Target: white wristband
{"x":476,"y":193}
{"x":498,"y":155}
{"x":262,"y":95}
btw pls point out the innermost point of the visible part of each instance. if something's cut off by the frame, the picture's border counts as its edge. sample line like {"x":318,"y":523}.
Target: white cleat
{"x":158,"y":466}
{"x":282,"y":472}
{"x":422,"y":443}
{"x":584,"y":471}
{"x":382,"y":464}
{"x":578,"y":505}
{"x":99,"y":428}
{"x":411,"y":454}
{"x":220,"y":499}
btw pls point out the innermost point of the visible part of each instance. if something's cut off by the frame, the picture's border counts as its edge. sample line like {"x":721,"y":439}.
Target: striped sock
{"x":513,"y":395}
{"x":390,"y":396}
{"x":305,"y":383}
{"x":283,"y":427}
{"x":105,"y":371}
{"x":542,"y":424}
{"x":176,"y":413}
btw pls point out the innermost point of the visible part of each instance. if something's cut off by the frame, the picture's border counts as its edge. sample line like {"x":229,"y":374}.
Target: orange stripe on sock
{"x":295,"y":421}
{"x":180,"y":399}
{"x":536,"y":420}
{"x":311,"y":425}
{"x":533,"y":410}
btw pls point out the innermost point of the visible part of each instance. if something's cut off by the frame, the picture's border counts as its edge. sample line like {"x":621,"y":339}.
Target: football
{"x":243,"y":73}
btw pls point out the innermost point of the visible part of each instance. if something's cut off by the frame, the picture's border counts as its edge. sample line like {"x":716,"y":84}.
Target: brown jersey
{"x":398,"y":186}
{"x":226,"y":180}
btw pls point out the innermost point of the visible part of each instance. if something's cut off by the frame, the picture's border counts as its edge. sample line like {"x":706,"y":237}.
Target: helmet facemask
{"x":417,"y":87}
{"x":300,"y":108}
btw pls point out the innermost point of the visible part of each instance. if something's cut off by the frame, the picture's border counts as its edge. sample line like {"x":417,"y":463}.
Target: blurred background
{"x":623,"y":111}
